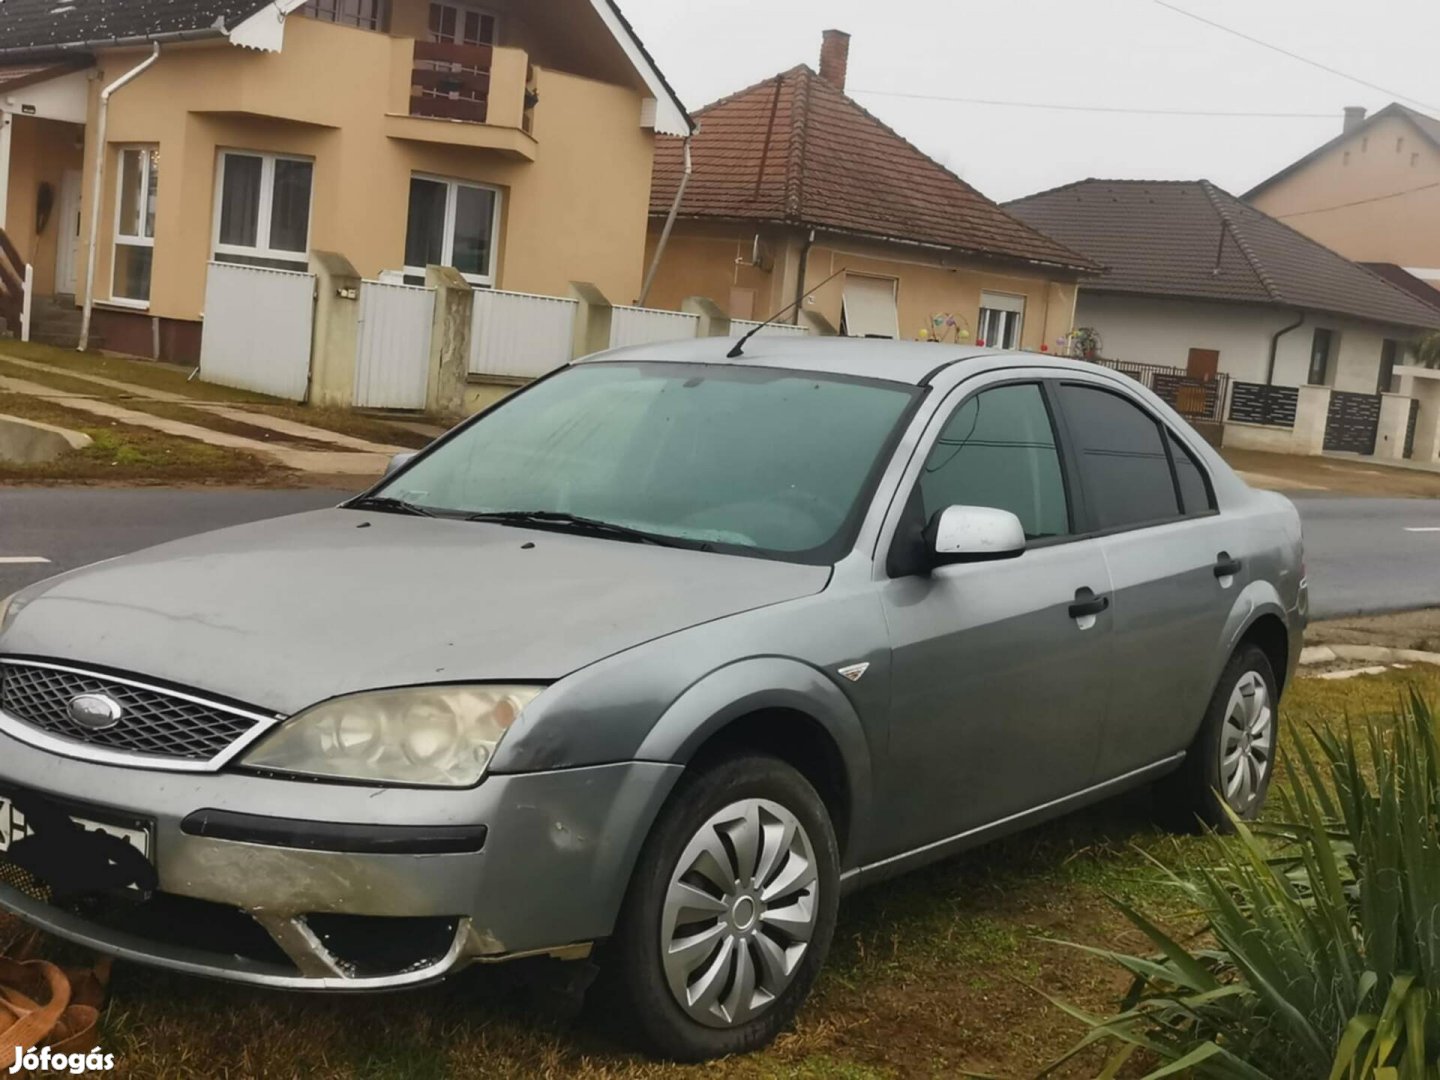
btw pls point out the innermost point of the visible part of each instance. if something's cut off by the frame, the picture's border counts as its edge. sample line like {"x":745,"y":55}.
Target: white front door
{"x":67,"y":235}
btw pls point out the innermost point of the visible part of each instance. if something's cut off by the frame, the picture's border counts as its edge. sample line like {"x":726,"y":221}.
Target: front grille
{"x":154,"y":723}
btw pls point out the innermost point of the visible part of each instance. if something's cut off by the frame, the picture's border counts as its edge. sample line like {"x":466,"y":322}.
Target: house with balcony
{"x":139,"y":143}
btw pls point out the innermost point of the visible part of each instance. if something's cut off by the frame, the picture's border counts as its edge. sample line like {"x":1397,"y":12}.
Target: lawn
{"x":124,"y":454}
{"x":933,"y":974}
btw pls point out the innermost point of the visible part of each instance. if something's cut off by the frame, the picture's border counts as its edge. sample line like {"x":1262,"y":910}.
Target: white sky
{"x":1113,"y":53}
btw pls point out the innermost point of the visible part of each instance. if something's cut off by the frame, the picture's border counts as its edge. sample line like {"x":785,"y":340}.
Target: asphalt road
{"x":1363,"y":555}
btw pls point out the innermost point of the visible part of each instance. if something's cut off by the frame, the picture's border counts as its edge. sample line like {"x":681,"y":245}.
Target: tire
{"x":1232,"y":760}
{"x":770,"y":929}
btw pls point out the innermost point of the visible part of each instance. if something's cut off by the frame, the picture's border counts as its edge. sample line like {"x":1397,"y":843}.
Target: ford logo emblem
{"x":95,"y":712}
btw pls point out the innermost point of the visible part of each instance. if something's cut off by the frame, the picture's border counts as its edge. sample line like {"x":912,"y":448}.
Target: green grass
{"x":931,"y":974}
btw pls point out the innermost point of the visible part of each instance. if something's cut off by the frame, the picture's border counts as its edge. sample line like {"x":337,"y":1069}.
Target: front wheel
{"x":1232,"y":760}
{"x":730,"y":913}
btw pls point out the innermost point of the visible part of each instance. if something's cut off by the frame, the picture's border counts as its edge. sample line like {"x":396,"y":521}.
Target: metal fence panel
{"x":520,"y":334}
{"x":256,"y":334}
{"x":1352,"y":422}
{"x":744,"y":326}
{"x":1410,"y":428}
{"x":392,"y":349}
{"x":1259,"y":403}
{"x":646,"y":326}
{"x":1193,"y":397}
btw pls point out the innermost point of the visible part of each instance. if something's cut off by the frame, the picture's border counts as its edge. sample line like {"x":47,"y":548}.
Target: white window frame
{"x":262,"y":249}
{"x":1010,"y":303}
{"x":447,"y":246}
{"x":148,"y":151}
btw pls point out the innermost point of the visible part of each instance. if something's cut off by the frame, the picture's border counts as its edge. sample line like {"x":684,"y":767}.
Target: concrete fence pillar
{"x":1394,"y":422}
{"x":714,"y":322}
{"x":1312,"y":411}
{"x":336,"y":329}
{"x":449,"y":340}
{"x":592,"y":320}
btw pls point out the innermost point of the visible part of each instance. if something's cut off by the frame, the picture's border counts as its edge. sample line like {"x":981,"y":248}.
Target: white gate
{"x":256,"y":334}
{"x":739,"y":327}
{"x":392,"y":348}
{"x":645,"y":326}
{"x":520,"y":333}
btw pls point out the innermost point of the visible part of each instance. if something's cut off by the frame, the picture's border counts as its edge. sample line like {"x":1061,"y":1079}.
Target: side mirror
{"x":399,"y":461}
{"x":973,"y":534}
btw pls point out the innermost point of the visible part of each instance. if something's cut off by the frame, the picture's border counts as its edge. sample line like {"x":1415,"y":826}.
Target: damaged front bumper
{"x":306,"y":885}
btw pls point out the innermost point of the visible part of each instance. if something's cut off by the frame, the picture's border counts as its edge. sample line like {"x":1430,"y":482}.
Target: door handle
{"x":1087,"y":603}
{"x":1225,"y":566}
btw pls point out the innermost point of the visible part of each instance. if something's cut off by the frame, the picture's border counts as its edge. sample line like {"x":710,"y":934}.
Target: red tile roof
{"x":1191,"y":239}
{"x":793,"y":149}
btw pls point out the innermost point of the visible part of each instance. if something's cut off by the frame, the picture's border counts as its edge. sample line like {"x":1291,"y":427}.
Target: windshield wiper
{"x":388,"y":505}
{"x":555,"y":519}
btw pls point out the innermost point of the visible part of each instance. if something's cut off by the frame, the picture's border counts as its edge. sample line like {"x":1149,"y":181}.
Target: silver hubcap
{"x":739,"y":912}
{"x":1247,"y":742}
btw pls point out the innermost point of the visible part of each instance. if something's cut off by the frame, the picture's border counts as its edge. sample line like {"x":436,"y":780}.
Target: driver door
{"x":999,"y":692}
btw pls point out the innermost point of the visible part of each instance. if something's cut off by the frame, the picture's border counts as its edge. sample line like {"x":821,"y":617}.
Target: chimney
{"x":1354,"y":117}
{"x":834,"y":57}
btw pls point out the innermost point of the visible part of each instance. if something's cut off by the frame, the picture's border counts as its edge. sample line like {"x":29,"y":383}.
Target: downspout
{"x":669,"y":225}
{"x":96,"y":188}
{"x":802,"y":271}
{"x":1275,"y":346}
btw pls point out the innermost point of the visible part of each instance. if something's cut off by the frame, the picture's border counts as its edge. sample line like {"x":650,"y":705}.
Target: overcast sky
{"x":1108,"y":53}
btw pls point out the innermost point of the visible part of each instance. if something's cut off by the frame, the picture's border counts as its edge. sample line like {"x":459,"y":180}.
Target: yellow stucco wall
{"x":578,"y":210}
{"x":40,"y":152}
{"x":712,"y":260}
{"x":1387,"y":158}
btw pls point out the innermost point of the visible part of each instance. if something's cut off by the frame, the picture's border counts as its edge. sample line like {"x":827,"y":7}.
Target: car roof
{"x":911,"y":362}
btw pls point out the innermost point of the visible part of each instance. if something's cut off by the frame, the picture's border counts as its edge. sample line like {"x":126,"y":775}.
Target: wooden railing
{"x":12,"y":283}
{"x":451,"y":81}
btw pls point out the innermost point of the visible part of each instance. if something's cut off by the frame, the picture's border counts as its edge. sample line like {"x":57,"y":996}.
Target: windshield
{"x":726,"y":457}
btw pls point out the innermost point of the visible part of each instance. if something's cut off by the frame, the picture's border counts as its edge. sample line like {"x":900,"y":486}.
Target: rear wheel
{"x":730,"y":913}
{"x":1232,"y":759}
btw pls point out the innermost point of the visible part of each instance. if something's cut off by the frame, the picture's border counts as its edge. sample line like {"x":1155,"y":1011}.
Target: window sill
{"x":122,"y":304}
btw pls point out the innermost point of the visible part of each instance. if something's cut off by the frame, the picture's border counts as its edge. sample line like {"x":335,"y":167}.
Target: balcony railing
{"x":451,"y":81}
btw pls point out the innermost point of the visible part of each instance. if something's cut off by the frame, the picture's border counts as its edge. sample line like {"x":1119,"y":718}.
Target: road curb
{"x":1373,"y":654}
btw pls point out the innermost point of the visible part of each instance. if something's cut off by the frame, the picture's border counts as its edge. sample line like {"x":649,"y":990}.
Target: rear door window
{"x":1120,"y":452}
{"x":1195,"y":497}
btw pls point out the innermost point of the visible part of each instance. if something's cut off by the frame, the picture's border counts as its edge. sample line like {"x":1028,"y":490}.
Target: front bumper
{"x":558,"y":849}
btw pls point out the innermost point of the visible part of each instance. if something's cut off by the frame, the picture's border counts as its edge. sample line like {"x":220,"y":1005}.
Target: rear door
{"x":1001,"y":670}
{"x":1169,"y":557}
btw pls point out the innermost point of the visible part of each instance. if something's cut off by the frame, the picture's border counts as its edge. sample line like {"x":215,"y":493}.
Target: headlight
{"x":437,"y":736}
{"x":9,"y":608}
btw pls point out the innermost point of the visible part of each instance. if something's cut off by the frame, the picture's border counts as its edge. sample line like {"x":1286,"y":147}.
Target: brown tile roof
{"x":796,"y":150}
{"x":1428,"y":126}
{"x":1403,"y":279}
{"x":1191,"y":239}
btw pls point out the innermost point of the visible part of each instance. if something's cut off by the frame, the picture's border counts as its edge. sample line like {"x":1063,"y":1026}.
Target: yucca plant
{"x":1323,"y":930}
{"x":1426,"y":350}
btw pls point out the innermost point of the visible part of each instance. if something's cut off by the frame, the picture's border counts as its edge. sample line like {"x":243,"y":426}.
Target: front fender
{"x":756,"y":685}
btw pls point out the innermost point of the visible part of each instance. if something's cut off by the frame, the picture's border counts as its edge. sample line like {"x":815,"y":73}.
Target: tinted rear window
{"x":1122,"y":459}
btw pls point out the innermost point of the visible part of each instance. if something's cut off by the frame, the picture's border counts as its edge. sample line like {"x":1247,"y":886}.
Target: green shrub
{"x":1322,"y":954}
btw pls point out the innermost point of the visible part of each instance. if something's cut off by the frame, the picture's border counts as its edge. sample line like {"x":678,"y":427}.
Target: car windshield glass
{"x":732,"y":458}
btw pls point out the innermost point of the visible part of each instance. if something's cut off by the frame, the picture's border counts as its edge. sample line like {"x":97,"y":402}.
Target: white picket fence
{"x":392,"y":348}
{"x":520,"y":334}
{"x":257,"y":329}
{"x":646,"y":326}
{"x":778,"y":329}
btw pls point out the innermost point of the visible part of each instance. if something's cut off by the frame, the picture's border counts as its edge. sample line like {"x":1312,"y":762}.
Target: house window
{"x":1002,"y":317}
{"x":262,"y":210}
{"x":451,"y":223}
{"x":869,"y":307}
{"x":1389,"y":350}
{"x":365,"y":14}
{"x":138,"y":185}
{"x":1321,"y":348}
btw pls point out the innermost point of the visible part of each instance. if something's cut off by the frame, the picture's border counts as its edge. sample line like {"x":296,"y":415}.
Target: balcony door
{"x":452,"y":69}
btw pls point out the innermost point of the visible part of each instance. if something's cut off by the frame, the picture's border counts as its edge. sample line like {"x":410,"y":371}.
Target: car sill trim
{"x":1045,"y":809}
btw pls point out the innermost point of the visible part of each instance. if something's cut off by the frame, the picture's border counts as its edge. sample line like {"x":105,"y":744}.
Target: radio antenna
{"x":739,"y":349}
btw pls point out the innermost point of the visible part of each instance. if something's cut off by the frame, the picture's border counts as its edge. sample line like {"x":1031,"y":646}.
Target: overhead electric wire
{"x":1097,"y":108}
{"x":1360,"y":202}
{"x":1296,"y":56}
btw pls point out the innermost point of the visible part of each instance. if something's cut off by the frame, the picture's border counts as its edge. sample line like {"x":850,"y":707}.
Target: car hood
{"x":283,"y":613}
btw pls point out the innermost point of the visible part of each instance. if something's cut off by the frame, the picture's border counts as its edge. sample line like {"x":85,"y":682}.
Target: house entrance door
{"x":67,"y":232}
{"x":1203,"y":363}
